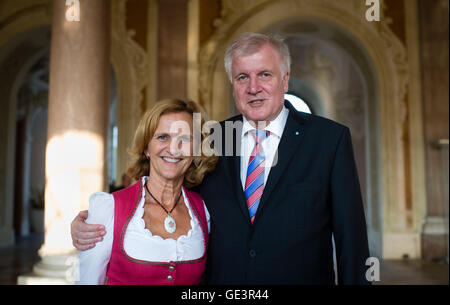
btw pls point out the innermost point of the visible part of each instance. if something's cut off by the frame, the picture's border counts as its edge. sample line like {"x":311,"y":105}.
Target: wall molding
{"x":131,"y":65}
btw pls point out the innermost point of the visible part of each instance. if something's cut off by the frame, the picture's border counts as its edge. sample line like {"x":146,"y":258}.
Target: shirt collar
{"x":275,"y":127}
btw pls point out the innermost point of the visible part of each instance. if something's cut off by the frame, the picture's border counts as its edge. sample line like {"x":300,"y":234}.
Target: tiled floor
{"x":413,"y":272}
{"x":19,"y":260}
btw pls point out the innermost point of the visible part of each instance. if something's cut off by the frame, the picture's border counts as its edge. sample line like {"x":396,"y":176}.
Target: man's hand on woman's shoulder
{"x":84,"y":235}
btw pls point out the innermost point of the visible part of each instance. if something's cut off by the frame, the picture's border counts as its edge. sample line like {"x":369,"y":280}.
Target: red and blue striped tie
{"x":254,"y":182}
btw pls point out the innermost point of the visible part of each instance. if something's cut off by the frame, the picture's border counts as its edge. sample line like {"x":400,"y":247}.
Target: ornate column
{"x":77,"y":130}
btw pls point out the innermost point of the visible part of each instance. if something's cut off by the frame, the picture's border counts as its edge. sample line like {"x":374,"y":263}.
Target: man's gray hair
{"x":249,"y":43}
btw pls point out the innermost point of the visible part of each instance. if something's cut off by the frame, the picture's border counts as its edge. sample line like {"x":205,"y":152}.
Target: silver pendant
{"x":169,"y":224}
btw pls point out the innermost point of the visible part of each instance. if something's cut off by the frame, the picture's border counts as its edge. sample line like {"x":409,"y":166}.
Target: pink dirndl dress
{"x":125,"y":270}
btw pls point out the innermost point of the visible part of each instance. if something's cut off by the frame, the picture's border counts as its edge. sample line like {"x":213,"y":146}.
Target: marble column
{"x":77,"y":130}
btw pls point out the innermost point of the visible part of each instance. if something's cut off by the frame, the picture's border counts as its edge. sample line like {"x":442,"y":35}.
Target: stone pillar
{"x":435,"y":228}
{"x":77,"y":130}
{"x":434,"y":31}
{"x":172,"y":57}
{"x":26,"y":190}
{"x":444,"y":153}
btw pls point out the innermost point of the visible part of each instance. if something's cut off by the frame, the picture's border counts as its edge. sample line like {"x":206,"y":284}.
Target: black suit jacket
{"x":311,"y":193}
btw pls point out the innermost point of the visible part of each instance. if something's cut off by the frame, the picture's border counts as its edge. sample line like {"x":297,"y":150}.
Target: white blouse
{"x":139,"y":242}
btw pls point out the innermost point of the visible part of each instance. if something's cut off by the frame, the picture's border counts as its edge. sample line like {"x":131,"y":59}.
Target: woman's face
{"x":170,"y":149}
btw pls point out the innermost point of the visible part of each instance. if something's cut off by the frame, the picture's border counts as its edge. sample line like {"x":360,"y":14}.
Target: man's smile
{"x":256,"y":102}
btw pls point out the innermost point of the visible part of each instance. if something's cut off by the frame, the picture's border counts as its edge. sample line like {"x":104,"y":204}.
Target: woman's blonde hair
{"x":139,"y":167}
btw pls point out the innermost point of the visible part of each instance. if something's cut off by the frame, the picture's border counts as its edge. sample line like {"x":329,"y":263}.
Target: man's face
{"x":258,"y":86}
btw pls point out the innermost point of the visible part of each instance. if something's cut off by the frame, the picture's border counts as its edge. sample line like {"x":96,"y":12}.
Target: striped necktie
{"x":254,"y":182}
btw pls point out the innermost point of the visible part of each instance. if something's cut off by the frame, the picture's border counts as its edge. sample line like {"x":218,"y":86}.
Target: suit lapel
{"x":237,"y":186}
{"x":289,"y":144}
{"x":233,"y":165}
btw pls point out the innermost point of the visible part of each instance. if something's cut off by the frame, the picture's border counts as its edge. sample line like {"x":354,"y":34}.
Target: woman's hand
{"x":85,"y":236}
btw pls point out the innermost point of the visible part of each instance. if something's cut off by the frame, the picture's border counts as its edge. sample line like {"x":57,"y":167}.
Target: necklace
{"x":169,"y":223}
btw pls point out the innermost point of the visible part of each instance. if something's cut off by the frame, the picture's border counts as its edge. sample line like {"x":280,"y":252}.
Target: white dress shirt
{"x":139,"y":242}
{"x":269,"y":144}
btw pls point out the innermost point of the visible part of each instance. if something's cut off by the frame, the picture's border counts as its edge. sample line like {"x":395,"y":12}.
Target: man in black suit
{"x":289,"y":185}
